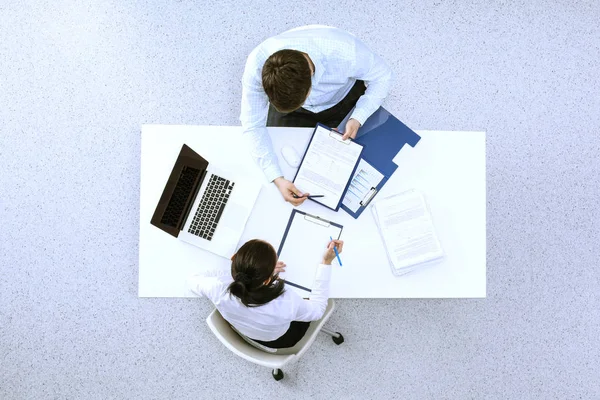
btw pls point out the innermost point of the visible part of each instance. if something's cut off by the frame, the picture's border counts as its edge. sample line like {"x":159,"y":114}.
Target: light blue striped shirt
{"x":340,"y":60}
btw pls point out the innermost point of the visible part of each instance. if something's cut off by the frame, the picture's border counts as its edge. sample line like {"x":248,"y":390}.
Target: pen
{"x":336,"y":252}
{"x":294,"y":195}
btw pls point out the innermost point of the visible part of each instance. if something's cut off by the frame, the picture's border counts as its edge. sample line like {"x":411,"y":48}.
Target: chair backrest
{"x":234,"y":342}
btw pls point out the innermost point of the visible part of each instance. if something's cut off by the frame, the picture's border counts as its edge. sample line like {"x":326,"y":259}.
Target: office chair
{"x":265,"y":356}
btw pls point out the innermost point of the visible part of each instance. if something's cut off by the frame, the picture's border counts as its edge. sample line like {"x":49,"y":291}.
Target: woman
{"x":255,"y":301}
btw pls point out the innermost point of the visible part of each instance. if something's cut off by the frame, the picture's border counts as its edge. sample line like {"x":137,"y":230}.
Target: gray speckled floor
{"x":77,"y":79}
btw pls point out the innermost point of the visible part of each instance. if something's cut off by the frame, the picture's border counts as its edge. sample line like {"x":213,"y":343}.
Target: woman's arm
{"x":207,"y":285}
{"x":314,"y":308}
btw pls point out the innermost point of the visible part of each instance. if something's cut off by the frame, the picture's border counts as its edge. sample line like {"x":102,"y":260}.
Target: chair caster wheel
{"x":277,"y":376}
{"x":338,"y":340}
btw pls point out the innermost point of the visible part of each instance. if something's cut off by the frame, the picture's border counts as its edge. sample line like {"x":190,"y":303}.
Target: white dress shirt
{"x":268,"y":321}
{"x":340,"y":59}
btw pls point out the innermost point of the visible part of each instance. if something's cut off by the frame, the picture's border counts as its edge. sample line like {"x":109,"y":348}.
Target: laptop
{"x":204,"y":206}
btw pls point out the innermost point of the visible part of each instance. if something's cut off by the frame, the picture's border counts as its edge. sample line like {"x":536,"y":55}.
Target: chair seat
{"x":257,"y":353}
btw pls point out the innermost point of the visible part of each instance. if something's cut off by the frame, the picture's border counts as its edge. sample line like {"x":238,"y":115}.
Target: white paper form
{"x":327,"y":166}
{"x":306,"y":241}
{"x":365,"y":178}
{"x":407,"y":229}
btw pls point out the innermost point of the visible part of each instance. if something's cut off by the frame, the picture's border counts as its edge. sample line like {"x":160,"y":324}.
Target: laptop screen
{"x":180,"y":191}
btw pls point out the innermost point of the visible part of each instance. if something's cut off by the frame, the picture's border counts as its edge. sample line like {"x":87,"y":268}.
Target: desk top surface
{"x":448,"y":167}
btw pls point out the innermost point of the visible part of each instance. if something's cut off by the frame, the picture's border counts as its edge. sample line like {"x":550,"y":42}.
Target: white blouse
{"x":268,"y":321}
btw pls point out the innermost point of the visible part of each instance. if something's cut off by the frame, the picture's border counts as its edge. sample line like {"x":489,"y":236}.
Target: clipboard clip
{"x":317,"y":220}
{"x":337,"y":136}
{"x":368,"y":197}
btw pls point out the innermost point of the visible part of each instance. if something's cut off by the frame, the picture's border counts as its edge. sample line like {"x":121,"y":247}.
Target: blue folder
{"x":382,"y":136}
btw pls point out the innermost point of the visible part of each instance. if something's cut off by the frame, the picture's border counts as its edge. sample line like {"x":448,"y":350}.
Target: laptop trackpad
{"x":233,"y":216}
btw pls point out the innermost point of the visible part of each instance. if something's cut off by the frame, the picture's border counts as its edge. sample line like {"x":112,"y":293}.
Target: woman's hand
{"x":280,"y":267}
{"x":329,"y":255}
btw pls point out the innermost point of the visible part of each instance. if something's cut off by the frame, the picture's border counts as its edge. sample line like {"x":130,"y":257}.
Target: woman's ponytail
{"x":252,"y":269}
{"x":239,"y":290}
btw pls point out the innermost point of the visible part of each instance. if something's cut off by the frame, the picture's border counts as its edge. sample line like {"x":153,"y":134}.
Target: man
{"x":304,"y":76}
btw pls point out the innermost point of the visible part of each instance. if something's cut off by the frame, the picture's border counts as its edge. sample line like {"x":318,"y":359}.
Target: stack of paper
{"x":407,"y":231}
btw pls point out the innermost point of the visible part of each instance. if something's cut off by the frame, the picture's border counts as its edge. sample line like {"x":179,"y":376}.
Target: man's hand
{"x":351,"y":128}
{"x":289,"y":192}
{"x":280,"y":267}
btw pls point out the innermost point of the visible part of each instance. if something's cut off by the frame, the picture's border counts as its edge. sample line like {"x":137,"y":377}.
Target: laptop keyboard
{"x":211,"y":207}
{"x":185,"y":184}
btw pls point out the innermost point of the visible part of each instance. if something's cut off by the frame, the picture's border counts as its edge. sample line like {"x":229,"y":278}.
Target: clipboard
{"x":360,"y":191}
{"x":302,"y":246}
{"x":382,"y":136}
{"x":339,"y":143}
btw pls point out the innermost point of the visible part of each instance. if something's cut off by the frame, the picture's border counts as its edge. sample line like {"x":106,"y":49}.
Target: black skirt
{"x":293,"y":335}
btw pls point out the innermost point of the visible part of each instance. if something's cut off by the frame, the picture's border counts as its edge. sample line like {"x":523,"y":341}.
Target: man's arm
{"x":254,"y":110}
{"x":377,"y":75}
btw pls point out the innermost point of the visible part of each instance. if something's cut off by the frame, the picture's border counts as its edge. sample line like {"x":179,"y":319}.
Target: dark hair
{"x":286,"y":79}
{"x":251,"y":266}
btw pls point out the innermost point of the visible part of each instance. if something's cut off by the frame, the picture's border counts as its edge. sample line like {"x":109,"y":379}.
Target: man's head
{"x":286,"y":78}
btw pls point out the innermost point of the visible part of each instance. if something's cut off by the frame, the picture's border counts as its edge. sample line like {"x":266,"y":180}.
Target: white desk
{"x":448,"y":167}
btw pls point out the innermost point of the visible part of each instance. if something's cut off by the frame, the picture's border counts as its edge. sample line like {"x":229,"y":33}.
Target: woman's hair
{"x":251,"y":266}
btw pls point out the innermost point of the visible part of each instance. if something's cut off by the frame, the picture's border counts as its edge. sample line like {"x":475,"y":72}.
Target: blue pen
{"x":336,"y":253}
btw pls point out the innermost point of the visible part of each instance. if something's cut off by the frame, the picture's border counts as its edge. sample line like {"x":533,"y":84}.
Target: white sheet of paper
{"x":365,"y":177}
{"x":327,"y":167}
{"x":407,"y":229}
{"x":303,"y":250}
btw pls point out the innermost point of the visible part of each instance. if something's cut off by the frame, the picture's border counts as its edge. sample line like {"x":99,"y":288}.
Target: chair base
{"x":277,"y":374}
{"x":337,"y":339}
{"x":336,"y":336}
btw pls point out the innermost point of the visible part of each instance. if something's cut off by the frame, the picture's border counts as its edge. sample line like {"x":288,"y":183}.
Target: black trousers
{"x":293,"y":335}
{"x":330,"y":117}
